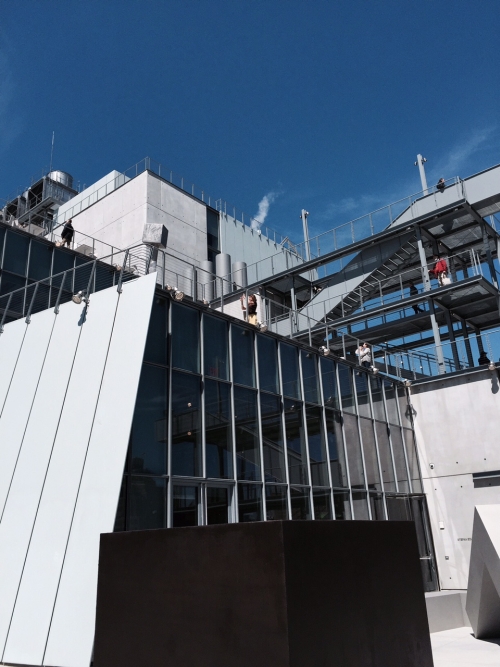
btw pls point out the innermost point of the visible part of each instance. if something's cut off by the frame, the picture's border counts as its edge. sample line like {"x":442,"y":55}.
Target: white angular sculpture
{"x":155,"y":234}
{"x":483,"y":590}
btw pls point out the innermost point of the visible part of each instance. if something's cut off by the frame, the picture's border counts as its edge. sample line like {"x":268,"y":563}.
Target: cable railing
{"x":76,"y":284}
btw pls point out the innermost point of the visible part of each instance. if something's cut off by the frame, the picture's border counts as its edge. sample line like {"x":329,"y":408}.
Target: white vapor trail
{"x":264,"y":205}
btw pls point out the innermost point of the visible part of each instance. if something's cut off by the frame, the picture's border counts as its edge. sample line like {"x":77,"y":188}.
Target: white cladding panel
{"x":10,"y":345}
{"x":37,"y":593}
{"x":71,"y":633}
{"x":24,"y":493}
{"x":19,"y":400}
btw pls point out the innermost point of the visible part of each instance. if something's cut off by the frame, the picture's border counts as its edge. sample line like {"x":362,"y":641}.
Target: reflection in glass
{"x":411,"y":454}
{"x":329,"y":380}
{"x":10,"y":282}
{"x":301,"y":503}
{"x":296,"y":444}
{"x":185,"y":338}
{"x":63,"y":261}
{"x":362,"y":394}
{"x":215,"y":347}
{"x":360,"y":506}
{"x":268,"y":364}
{"x":15,"y":256}
{"x":342,"y":506}
{"x":371,"y":463}
{"x":186,"y":425}
{"x":243,"y":356}
{"x":338,"y":466}
{"x":399,"y":460}
{"x":404,"y":408}
{"x":40,"y":260}
{"x":377,"y":506}
{"x":147,"y":503}
{"x":156,"y":343}
{"x":317,"y":447}
{"x":398,"y":508}
{"x":149,"y":427}
{"x":377,"y":398}
{"x":290,"y":370}
{"x":354,"y":451}
{"x":276,"y":502}
{"x":346,"y":389}
{"x":322,"y":505}
{"x":382,"y":432}
{"x":250,"y":502}
{"x":247,"y":434}
{"x":390,"y":400}
{"x":185,"y":506}
{"x":218,"y":429}
{"x":272,"y":438}
{"x":310,"y":376}
{"x":217,"y":505}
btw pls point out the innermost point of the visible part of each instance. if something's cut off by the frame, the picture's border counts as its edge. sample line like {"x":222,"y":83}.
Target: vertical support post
{"x":451,"y":334}
{"x":119,"y":288}
{"x":468,"y":348}
{"x":420,"y":162}
{"x":489,"y":258}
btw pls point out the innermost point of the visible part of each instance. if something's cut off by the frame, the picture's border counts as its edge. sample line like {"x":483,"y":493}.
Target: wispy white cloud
{"x":264,"y":204}
{"x":459,"y":155}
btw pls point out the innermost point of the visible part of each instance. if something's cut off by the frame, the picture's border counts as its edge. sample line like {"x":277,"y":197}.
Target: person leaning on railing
{"x":441,"y":185}
{"x":252,"y":308}
{"x":67,"y":233}
{"x":440,"y":270}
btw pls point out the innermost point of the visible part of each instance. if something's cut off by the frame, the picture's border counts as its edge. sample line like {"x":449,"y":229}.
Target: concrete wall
{"x":457,"y":425}
{"x":101,"y":188}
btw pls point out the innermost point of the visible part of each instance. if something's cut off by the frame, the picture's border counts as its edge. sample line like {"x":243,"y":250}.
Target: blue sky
{"x":325,"y":103}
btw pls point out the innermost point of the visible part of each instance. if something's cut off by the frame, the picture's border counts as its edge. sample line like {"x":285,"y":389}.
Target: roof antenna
{"x":52,"y":150}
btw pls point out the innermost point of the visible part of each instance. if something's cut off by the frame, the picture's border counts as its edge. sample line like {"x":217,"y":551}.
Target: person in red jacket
{"x":440,"y":269}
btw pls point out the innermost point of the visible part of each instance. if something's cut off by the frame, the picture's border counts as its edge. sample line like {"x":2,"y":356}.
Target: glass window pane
{"x":276,"y":502}
{"x":268,"y":364}
{"x":249,"y":502}
{"x":371,"y":463}
{"x":342,"y":506}
{"x":329,"y":379}
{"x":360,"y":506}
{"x":215,"y":347}
{"x":317,"y":447}
{"x":40,"y":260}
{"x":149,"y":427}
{"x":411,"y":454}
{"x":338,"y":466}
{"x":301,"y":503}
{"x":362,"y":394}
{"x":218,"y":429}
{"x":399,"y":459}
{"x":247,"y":434}
{"x":243,"y":356}
{"x":290,"y":370}
{"x":390,"y":399}
{"x":354,"y":451}
{"x":15,"y":257}
{"x":11,"y":282}
{"x":156,"y":342}
{"x":404,"y":408}
{"x":186,"y":425}
{"x":385,"y":456}
{"x":120,"y":523}
{"x":310,"y":376}
{"x":63,"y":261}
{"x":398,"y":508}
{"x":185,"y":506}
{"x":217,"y":505}
{"x":185,"y":338}
{"x":272,"y":438}
{"x":377,"y":398}
{"x":322,"y":505}
{"x":296,"y":444}
{"x":147,"y":503}
{"x":377,"y":506}
{"x":346,"y":390}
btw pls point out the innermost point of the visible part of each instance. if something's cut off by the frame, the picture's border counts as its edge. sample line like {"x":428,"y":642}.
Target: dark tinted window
{"x":268,"y":364}
{"x":290,"y":370}
{"x":247,"y":435}
{"x":215,"y":347}
{"x":185,"y":338}
{"x":243,"y":356}
{"x":186,"y":425}
{"x":218,"y":429}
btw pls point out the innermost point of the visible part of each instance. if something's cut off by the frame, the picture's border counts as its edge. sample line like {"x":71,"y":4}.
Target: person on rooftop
{"x":252,"y":308}
{"x":441,"y":185}
{"x":364,"y":355}
{"x":414,"y":292}
{"x":483,"y":359}
{"x":440,"y":269}
{"x":67,"y":233}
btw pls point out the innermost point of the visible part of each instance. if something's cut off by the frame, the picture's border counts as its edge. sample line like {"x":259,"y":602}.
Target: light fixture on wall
{"x":325,"y":351}
{"x":262,"y":327}
{"x":174,"y":292}
{"x":407,"y":383}
{"x":374,"y":370}
{"x":491,"y":366}
{"x":80,"y":296}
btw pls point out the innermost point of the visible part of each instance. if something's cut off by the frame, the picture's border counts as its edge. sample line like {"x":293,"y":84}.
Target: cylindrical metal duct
{"x":223,"y":273}
{"x":205,"y":280}
{"x":61,"y":177}
{"x":240,"y":274}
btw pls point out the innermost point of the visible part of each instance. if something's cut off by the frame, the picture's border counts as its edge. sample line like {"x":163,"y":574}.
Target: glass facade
{"x":235,"y":425}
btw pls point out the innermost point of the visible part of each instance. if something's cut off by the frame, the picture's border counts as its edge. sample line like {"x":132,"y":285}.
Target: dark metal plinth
{"x":275,"y":594}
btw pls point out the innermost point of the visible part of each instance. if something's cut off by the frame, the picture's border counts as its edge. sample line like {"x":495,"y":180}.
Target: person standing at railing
{"x":440,"y":270}
{"x":364,"y":355}
{"x":441,"y":185}
{"x":67,"y":233}
{"x":483,"y":359}
{"x":414,"y":292}
{"x":251,"y":309}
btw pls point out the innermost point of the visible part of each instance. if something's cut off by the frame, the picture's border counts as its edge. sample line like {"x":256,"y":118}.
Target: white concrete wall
{"x":64,"y":432}
{"x":101,"y":188}
{"x":457,"y":425}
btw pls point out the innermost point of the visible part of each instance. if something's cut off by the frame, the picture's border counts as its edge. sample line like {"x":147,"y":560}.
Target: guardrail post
{"x":56,"y":308}
{"x":28,"y":314}
{"x":5,"y":312}
{"x":119,"y":288}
